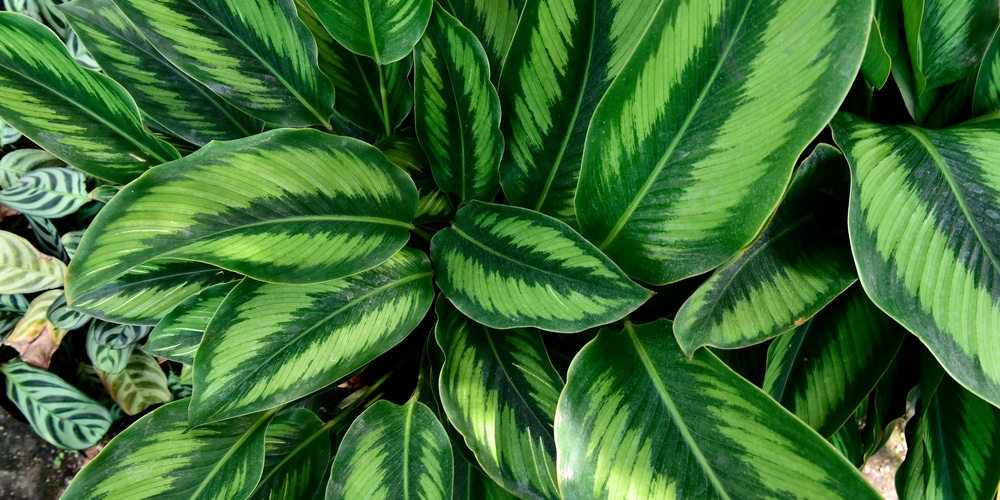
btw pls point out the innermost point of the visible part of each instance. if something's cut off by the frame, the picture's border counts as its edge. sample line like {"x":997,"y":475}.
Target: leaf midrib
{"x":244,"y":437}
{"x":508,"y":258}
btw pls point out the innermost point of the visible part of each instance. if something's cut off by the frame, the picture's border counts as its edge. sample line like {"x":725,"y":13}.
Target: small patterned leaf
{"x":79,"y":52}
{"x":70,"y":241}
{"x":296,"y":454}
{"x":34,"y":337}
{"x":58,"y":412}
{"x":24,"y":270}
{"x":106,"y":358}
{"x":384,"y":30}
{"x":115,"y":335}
{"x":947,"y":38}
{"x":177,"y":336}
{"x":47,"y":192}
{"x":61,"y":316}
{"x":507,"y":267}
{"x":8,"y":135}
{"x":13,"y":303}
{"x":21,"y":161}
{"x":47,"y":235}
{"x":140,"y":385}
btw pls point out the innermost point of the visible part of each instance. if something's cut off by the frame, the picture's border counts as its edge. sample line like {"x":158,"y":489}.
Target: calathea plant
{"x":462,"y":248}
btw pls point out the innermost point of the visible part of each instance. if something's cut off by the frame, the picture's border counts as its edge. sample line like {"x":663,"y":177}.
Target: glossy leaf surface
{"x":947,"y":39}
{"x":140,"y":385}
{"x":177,"y":336}
{"x":492,"y":21}
{"x":296,"y":454}
{"x":23,"y":269}
{"x":384,"y":30}
{"x":107,"y":359}
{"x":47,"y":192}
{"x":986,"y":93}
{"x":61,"y":316}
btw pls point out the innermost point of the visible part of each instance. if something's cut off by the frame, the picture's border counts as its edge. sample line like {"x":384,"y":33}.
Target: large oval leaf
{"x":57,"y":411}
{"x":254,"y":53}
{"x":269,"y":344}
{"x":947,"y":38}
{"x":223,"y":460}
{"x":456,"y":110}
{"x":384,"y":30}
{"x":139,"y":385}
{"x":23,"y":269}
{"x":286,"y":206}
{"x":296,"y":455}
{"x":689,"y":151}
{"x":499,"y":390}
{"x":926,"y":232}
{"x":393,"y":451}
{"x":492,"y":21}
{"x":178,"y":335}
{"x":638,"y":419}
{"x":80,"y":116}
{"x":508,"y":267}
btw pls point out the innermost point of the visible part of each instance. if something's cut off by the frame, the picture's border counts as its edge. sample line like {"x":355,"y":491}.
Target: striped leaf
{"x":171,"y":99}
{"x":638,"y":419}
{"x":472,"y":484}
{"x":177,"y":336}
{"x":269,"y":344}
{"x":500,"y":390}
{"x":116,"y":335}
{"x":690,"y":149}
{"x":43,"y":11}
{"x":492,"y":21}
{"x":925,"y":234}
{"x":140,"y":385}
{"x":456,"y":109}
{"x":824,"y":369}
{"x":79,"y":52}
{"x":384,"y":30}
{"x":393,"y":451}
{"x":46,"y":235}
{"x":508,"y":267}
{"x":262,"y":58}
{"x":78,"y":115}
{"x":947,"y":39}
{"x":106,"y":358}
{"x":61,"y":316}
{"x":222,"y":460}
{"x":986,"y":93}
{"x":58,"y":412}
{"x":21,"y":161}
{"x":70,"y":242}
{"x":296,"y":455}
{"x":562,"y":60}
{"x":34,"y":337}
{"x":796,"y":267}
{"x":13,"y":303}
{"x":24,"y":269}
{"x":7,"y":323}
{"x":330,"y":206}
{"x":47,"y":192}
{"x":149,"y":291}
{"x":8,"y":135}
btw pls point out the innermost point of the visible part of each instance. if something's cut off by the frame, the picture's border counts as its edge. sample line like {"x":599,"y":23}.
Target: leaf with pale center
{"x":384,"y":30}
{"x":177,"y":336}
{"x":492,"y":21}
{"x":23,"y":269}
{"x":139,"y":385}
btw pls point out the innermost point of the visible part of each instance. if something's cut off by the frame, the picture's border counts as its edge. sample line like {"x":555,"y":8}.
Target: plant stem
{"x":385,"y":99}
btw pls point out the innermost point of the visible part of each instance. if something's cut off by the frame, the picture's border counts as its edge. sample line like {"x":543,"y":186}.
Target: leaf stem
{"x":385,"y":99}
{"x":421,"y":233}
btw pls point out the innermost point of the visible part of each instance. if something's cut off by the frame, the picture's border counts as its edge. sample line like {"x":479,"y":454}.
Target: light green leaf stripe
{"x":499,"y":390}
{"x":8,"y":135}
{"x":563,"y":58}
{"x":221,"y":460}
{"x":23,"y":269}
{"x":986,"y":95}
{"x":269,"y":344}
{"x":105,"y":358}
{"x":393,"y":451}
{"x":296,"y":455}
{"x":115,"y":335}
{"x":140,"y":385}
{"x":21,"y":161}
{"x":171,"y":98}
{"x":794,"y":269}
{"x":456,"y":110}
{"x":492,"y":21}
{"x":58,"y":412}
{"x":509,"y":267}
{"x":256,"y":54}
{"x":689,"y":150}
{"x":47,"y":193}
{"x":286,"y":206}
{"x":177,"y":336}
{"x":62,"y":317}
{"x":638,"y":419}
{"x":78,"y":115}
{"x":926,"y":233}
{"x":824,"y":369}
{"x":947,"y":38}
{"x":384,"y":30}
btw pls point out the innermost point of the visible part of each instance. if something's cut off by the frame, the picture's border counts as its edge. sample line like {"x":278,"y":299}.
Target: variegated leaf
{"x":116,"y":335}
{"x":221,"y":460}
{"x":384,"y":30}
{"x":393,"y":451}
{"x":508,"y":267}
{"x":43,"y":11}
{"x":177,"y":336}
{"x":105,"y":358}
{"x":78,"y":115}
{"x":456,"y":110}
{"x":79,"y":52}
{"x":70,"y":242}
{"x":24,"y":269}
{"x":21,"y":161}
{"x":58,"y":412}
{"x":692,"y":145}
{"x":947,"y":38}
{"x":13,"y":303}
{"x":638,"y":419}
{"x":140,"y":385}
{"x":254,"y":53}
{"x":269,"y":344}
{"x":492,"y":21}
{"x":171,"y":99}
{"x":296,"y":455}
{"x":986,"y":93}
{"x":34,"y":337}
{"x":499,"y":390}
{"x":797,"y":266}
{"x":8,"y":135}
{"x":472,"y":484}
{"x":61,"y":316}
{"x":46,"y":235}
{"x":925,"y":233}
{"x":47,"y":192}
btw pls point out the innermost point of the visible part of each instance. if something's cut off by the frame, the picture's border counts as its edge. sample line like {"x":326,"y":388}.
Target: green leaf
{"x":393,"y":451}
{"x":472,"y":484}
{"x":925,"y":234}
{"x":508,"y":267}
{"x":58,"y":412}
{"x":115,"y":335}
{"x":384,"y":30}
{"x":947,"y":39}
{"x":13,"y":303}
{"x":23,"y":269}
{"x":256,"y":54}
{"x":171,"y":99}
{"x":824,"y":369}
{"x":563,"y":58}
{"x":877,"y":65}
{"x":70,"y":242}
{"x":638,"y":419}
{"x":47,"y":192}
{"x":8,"y":135}
{"x":296,"y":454}
{"x":178,"y":335}
{"x":794,"y":269}
{"x":21,"y":161}
{"x":221,"y":460}
{"x":46,"y":234}
{"x":105,"y":358}
{"x":79,"y":52}
{"x":690,"y":149}
{"x":78,"y":115}
{"x":500,"y":390}
{"x":61,"y":316}
{"x":269,"y":344}
{"x":330,"y":206}
{"x":493,"y":22}
{"x":986,"y":93}
{"x":456,"y":110}
{"x":140,"y":385}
